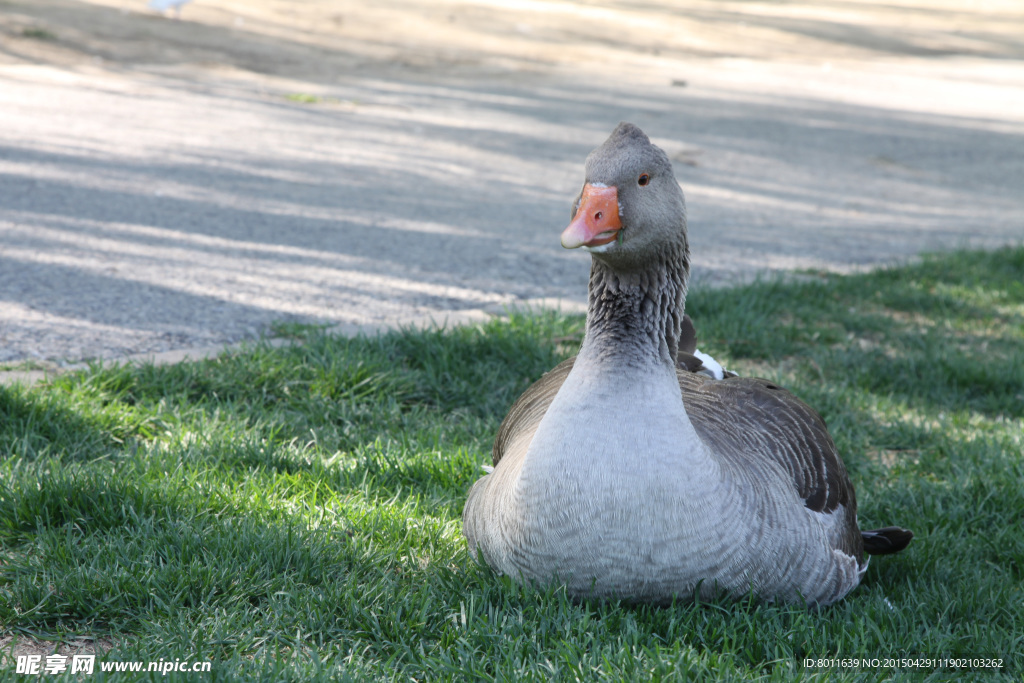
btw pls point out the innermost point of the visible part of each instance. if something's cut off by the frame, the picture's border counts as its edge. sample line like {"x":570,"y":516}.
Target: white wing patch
{"x":712,"y":367}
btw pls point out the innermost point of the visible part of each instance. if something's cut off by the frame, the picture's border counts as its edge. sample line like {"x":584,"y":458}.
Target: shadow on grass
{"x":36,"y":424}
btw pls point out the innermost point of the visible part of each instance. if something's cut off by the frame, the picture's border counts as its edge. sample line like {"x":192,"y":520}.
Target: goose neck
{"x":635,"y":316}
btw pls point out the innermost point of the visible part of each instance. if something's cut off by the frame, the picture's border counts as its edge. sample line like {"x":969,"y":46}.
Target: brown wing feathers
{"x":746,"y":415}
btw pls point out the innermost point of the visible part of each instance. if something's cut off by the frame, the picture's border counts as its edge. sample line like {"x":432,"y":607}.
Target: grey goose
{"x":628,"y":472}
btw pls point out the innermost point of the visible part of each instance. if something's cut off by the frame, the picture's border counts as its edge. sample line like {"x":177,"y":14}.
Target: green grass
{"x":38,"y":33}
{"x":293,"y":513}
{"x":307,"y":98}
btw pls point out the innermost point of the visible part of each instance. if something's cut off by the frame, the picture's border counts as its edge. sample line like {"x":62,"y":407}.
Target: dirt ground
{"x":167,"y":183}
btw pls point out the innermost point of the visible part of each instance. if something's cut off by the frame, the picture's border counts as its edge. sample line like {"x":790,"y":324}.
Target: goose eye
{"x":643,"y":179}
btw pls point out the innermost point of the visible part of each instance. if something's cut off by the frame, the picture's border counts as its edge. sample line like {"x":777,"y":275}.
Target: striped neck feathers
{"x":636,"y":316}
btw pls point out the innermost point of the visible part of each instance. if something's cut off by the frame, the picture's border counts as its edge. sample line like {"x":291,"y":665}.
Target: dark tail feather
{"x":887,"y":541}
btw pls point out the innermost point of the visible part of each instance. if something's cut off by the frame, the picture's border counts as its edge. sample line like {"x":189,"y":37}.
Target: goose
{"x":627,"y":473}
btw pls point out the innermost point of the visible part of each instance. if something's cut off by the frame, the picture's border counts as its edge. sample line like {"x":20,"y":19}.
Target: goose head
{"x":631,"y":207}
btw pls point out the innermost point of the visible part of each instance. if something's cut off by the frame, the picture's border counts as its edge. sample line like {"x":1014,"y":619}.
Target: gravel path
{"x":176,"y":184}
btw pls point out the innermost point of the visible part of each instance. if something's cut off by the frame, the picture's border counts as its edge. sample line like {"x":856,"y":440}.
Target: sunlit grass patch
{"x":309,"y":98}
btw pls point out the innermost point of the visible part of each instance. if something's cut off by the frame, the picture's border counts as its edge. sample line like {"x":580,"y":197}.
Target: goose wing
{"x":759,"y":421}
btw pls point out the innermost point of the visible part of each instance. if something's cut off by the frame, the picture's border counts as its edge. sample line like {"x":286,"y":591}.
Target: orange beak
{"x":597,"y":220}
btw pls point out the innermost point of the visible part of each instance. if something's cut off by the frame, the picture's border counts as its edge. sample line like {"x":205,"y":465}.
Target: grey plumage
{"x":625,"y":472}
